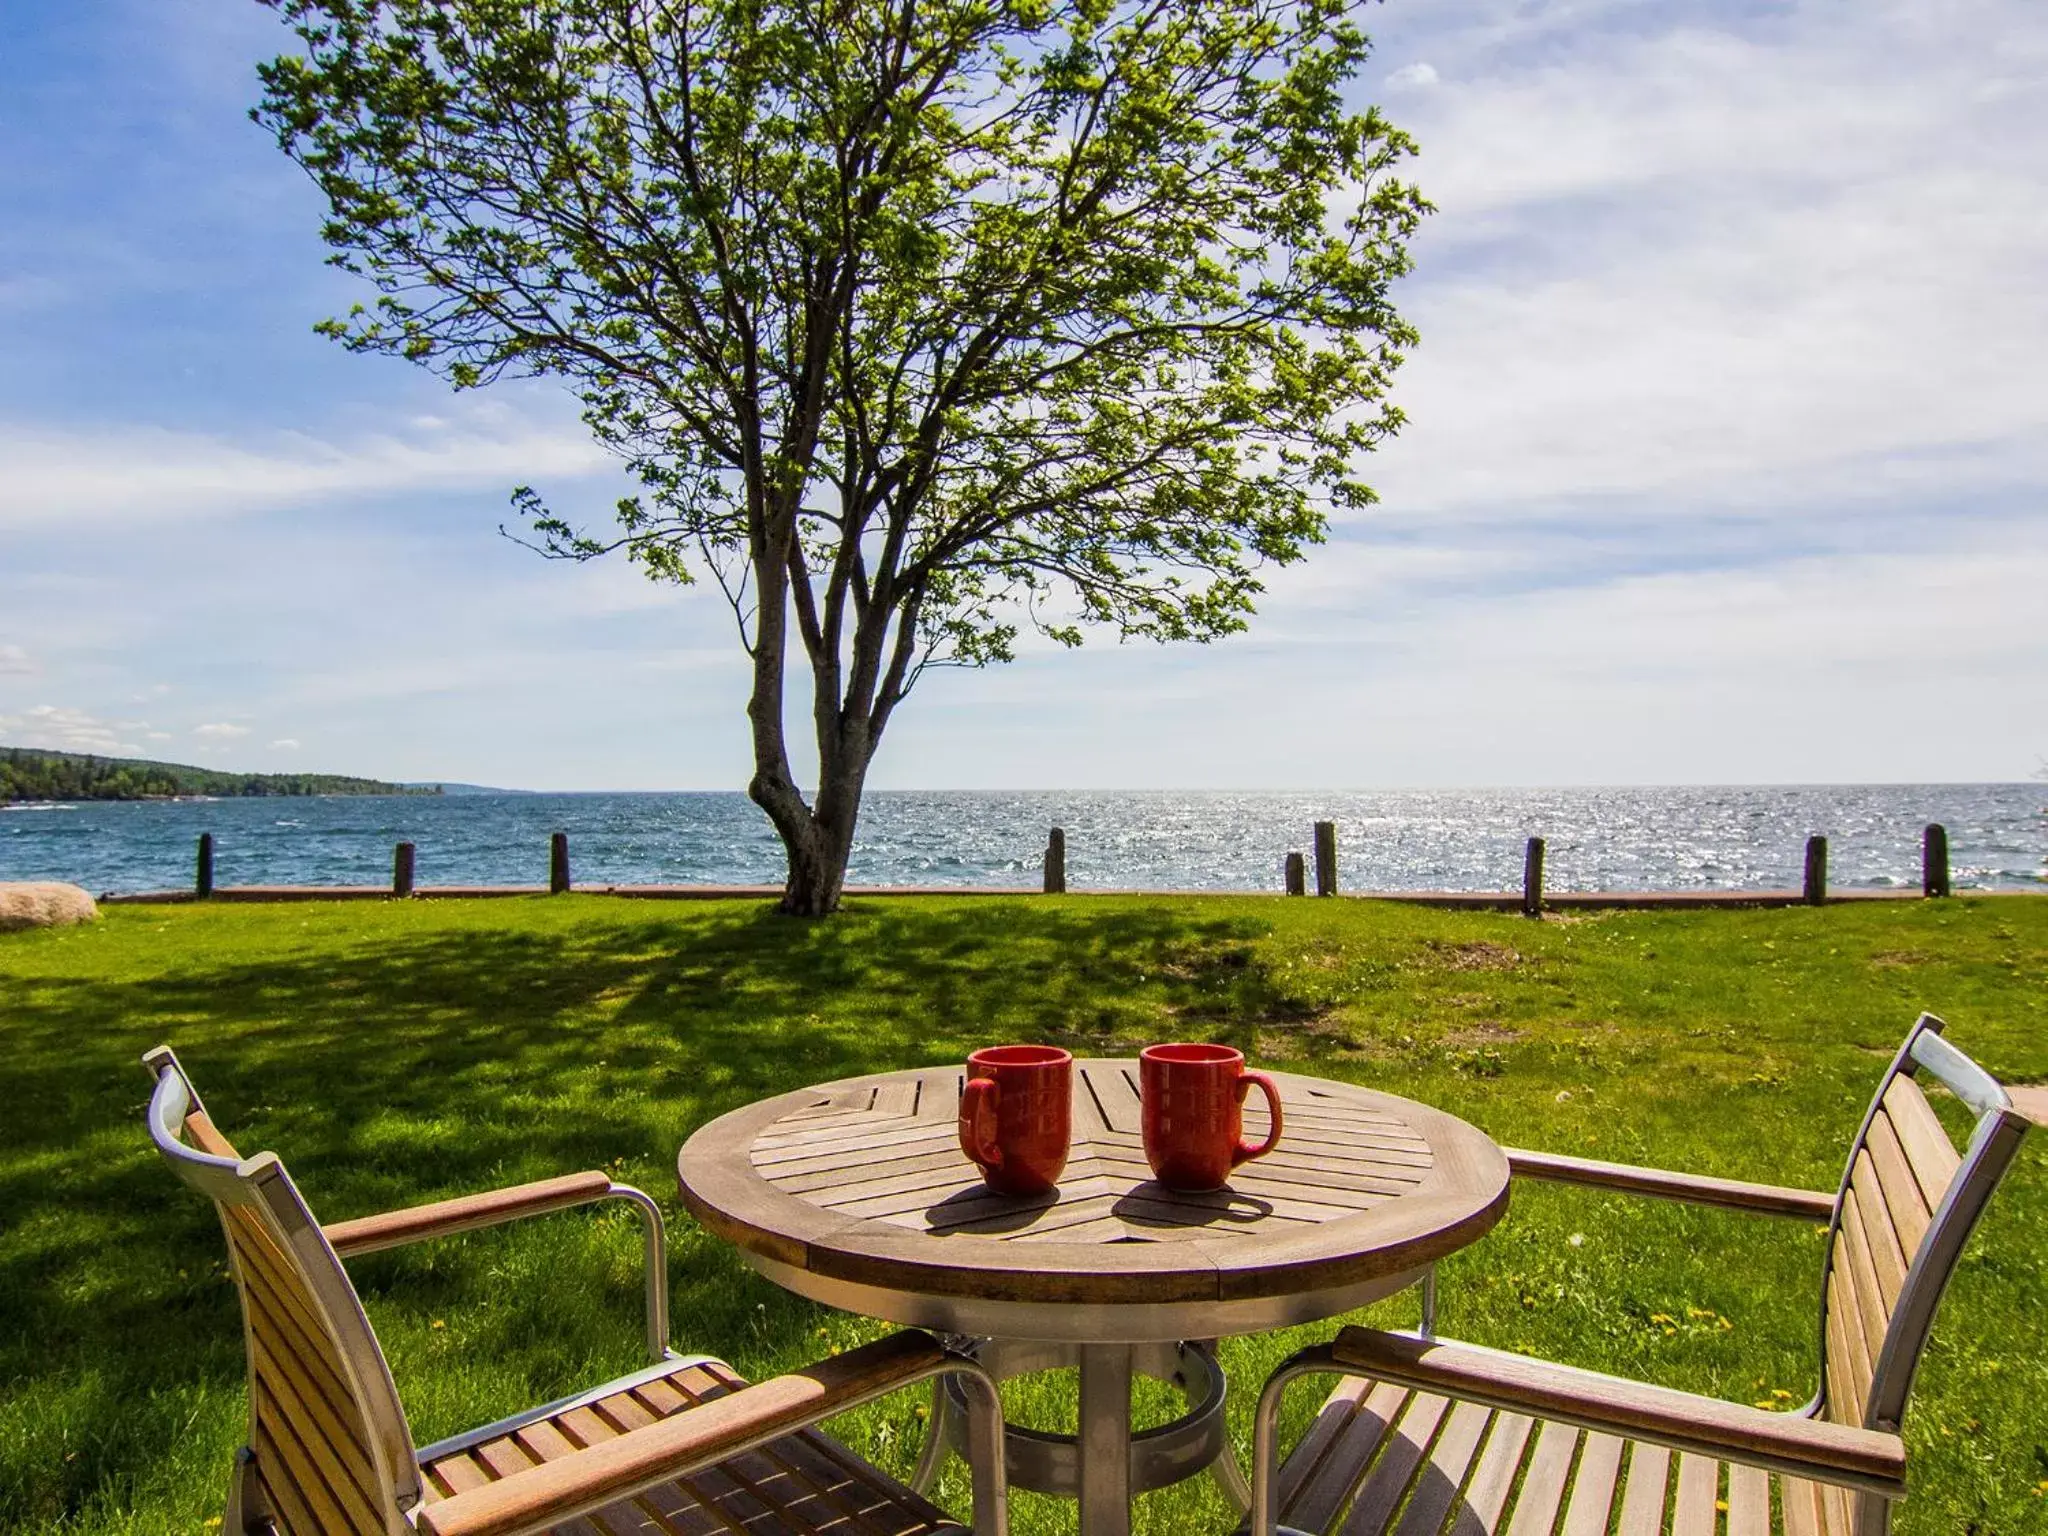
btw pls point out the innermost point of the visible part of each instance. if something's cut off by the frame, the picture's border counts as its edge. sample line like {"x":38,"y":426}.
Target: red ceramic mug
{"x":1193,"y":1097}
{"x":1016,"y":1115}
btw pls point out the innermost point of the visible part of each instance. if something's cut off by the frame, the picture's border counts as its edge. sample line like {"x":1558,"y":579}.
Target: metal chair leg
{"x":1313,"y":1361}
{"x":933,"y":1454}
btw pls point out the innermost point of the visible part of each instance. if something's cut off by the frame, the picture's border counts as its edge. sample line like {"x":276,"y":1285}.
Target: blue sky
{"x":1728,"y":458}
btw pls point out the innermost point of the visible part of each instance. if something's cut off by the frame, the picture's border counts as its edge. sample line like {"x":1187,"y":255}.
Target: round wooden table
{"x":856,"y":1194}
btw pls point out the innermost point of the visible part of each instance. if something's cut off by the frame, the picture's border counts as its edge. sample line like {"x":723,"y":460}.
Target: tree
{"x":917,"y":321}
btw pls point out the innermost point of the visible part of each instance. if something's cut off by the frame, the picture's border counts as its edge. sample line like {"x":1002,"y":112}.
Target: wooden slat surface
{"x":1931,"y":1154}
{"x":1593,"y":1486}
{"x":312,"y":1447}
{"x":800,"y":1484}
{"x":854,"y":1179}
{"x":1381,"y":1460}
{"x":1692,"y":1506}
{"x":1334,"y":1455}
{"x":1903,"y":1201}
{"x":1642,"y":1502}
{"x":1380,"y":1494}
{"x":893,"y":1165}
{"x":1550,"y":1468}
{"x":1749,"y":1502}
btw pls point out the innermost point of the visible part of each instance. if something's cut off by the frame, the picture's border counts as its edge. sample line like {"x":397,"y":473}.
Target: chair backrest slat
{"x":1929,"y":1152}
{"x":1908,"y":1210}
{"x":1909,"y":1202}
{"x":331,"y":1453}
{"x":1865,"y":1225}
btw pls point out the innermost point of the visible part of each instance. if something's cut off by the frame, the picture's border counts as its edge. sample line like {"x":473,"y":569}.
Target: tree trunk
{"x":817,"y":840}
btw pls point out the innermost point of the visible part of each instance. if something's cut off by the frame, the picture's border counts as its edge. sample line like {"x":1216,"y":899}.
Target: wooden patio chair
{"x":1426,"y":1437}
{"x":681,"y":1446}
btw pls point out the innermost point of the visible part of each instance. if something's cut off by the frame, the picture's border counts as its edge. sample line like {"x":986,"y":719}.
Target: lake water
{"x":1457,"y":840}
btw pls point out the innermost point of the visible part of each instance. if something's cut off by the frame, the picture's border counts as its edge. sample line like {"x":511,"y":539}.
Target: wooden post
{"x":401,"y":870}
{"x":1532,"y":878}
{"x":558,"y":863}
{"x":1934,"y":860}
{"x":1326,"y":858}
{"x":1294,"y":873}
{"x":203,"y":884}
{"x":1056,"y":862}
{"x":1816,"y":870}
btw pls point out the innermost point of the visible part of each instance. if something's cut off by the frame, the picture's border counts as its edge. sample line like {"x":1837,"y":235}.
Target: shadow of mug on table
{"x":1193,"y":1109}
{"x":1016,"y":1116}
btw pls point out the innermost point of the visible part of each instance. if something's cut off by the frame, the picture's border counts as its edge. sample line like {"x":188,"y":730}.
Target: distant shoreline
{"x":40,"y":775}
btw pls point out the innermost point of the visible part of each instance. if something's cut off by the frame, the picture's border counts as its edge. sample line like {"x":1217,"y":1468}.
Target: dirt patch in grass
{"x":1894,"y":959}
{"x":1477,"y":955}
{"x":1483,"y":1032}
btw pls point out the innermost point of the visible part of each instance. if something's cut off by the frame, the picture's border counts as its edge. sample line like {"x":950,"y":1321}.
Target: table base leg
{"x":1105,"y":1439}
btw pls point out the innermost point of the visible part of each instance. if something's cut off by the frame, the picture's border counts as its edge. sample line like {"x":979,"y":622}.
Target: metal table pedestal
{"x":1106,"y":1463}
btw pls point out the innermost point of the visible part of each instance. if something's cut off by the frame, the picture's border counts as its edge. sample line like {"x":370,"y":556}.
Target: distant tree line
{"x":31,"y":774}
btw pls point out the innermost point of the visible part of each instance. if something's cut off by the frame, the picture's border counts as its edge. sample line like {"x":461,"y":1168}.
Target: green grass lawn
{"x":394,"y":1053}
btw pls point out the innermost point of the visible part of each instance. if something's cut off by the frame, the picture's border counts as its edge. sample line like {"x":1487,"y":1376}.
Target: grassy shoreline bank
{"x":398,"y":1052}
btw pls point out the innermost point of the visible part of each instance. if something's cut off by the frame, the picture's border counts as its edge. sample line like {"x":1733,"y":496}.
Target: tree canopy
{"x":917,"y":322}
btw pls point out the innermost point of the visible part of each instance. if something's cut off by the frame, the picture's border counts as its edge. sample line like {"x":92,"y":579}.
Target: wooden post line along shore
{"x":1532,"y":900}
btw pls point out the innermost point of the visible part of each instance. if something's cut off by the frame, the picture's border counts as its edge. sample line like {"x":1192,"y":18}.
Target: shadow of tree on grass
{"x":390,"y":1062}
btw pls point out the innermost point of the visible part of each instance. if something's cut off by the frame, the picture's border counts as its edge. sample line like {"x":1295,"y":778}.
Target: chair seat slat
{"x":1344,"y":1462}
{"x":1494,"y":1477}
{"x":1642,"y":1500}
{"x":1749,"y":1502}
{"x":1543,"y":1486}
{"x":1380,"y":1494}
{"x":1593,"y":1486}
{"x":1692,"y":1506}
{"x":1436,"y":1489}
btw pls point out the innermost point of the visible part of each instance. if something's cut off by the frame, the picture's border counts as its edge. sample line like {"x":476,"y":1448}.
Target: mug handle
{"x":978,"y":1122}
{"x":1244,"y":1152}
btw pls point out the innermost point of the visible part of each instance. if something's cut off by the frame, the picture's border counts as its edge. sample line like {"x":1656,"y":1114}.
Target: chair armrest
{"x":600,"y":1474}
{"x":1764,"y":1199}
{"x":444,"y":1218}
{"x":465,"y":1213}
{"x":1842,"y":1454}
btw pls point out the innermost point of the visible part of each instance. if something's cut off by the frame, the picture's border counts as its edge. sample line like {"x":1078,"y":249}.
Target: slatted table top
{"x":863,"y":1183}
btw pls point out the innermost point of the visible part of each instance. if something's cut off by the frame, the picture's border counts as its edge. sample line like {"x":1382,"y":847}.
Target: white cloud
{"x":15,"y":662}
{"x":65,"y":478}
{"x":220,"y":731}
{"x":1412,"y":77}
{"x":64,"y":729}
{"x":1772,"y":267}
{"x":285,"y":744}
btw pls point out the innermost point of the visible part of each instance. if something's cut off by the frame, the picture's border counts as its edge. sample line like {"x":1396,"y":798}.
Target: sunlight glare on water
{"x":1455,"y":840}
